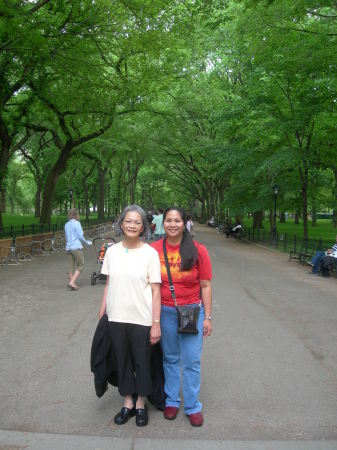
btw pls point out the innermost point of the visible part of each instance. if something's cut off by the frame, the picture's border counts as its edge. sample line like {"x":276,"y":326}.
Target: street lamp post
{"x":275,"y":192}
{"x":71,"y":198}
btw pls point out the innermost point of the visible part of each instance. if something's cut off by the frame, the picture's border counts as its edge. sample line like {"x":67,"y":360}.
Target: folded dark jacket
{"x":104,"y":367}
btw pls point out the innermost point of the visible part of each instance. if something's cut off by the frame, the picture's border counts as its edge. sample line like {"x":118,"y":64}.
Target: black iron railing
{"x":23,"y":230}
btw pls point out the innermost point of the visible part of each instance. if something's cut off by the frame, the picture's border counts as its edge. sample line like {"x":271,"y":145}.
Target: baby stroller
{"x":101,"y":245}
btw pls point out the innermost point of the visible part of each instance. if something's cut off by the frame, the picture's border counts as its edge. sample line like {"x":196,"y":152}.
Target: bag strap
{"x":173,"y":294}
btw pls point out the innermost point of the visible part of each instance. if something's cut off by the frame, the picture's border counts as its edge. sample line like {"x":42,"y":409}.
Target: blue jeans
{"x":316,"y":261}
{"x":181,"y":351}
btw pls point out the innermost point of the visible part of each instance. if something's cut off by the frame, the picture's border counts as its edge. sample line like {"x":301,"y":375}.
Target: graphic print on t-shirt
{"x":174,"y":260}
{"x":186,"y":283}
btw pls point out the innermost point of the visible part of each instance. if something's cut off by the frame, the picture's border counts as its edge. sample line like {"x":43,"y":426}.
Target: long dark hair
{"x":187,"y":249}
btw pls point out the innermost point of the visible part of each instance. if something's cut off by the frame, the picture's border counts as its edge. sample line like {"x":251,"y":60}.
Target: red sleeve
{"x":204,"y":262}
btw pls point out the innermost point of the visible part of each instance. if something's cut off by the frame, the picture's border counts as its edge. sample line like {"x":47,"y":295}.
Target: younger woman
{"x":191,"y":273}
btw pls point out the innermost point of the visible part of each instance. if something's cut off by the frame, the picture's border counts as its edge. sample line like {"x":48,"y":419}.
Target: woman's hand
{"x":207,"y":328}
{"x":155,"y":333}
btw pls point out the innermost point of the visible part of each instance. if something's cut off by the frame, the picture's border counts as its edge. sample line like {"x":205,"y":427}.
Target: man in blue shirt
{"x":74,"y":238}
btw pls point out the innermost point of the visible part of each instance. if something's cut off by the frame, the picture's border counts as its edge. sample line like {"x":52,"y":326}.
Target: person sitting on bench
{"x":328,"y":261}
{"x":318,"y":257}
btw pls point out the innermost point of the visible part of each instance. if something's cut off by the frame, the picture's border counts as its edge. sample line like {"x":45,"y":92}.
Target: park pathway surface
{"x":269,"y":369}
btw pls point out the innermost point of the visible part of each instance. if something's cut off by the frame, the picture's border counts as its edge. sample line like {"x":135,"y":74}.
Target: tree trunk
{"x":132,"y":192}
{"x":37,"y":201}
{"x":3,"y":200}
{"x":305,"y":203}
{"x":11,"y":202}
{"x":4,"y":159}
{"x":86,"y":198}
{"x":203,"y":209}
{"x":282,"y":217}
{"x":101,"y":191}
{"x":297,"y":217}
{"x":257,"y":219}
{"x":119,"y":189}
{"x":314,"y":217}
{"x":221,"y":196}
{"x":271,"y":219}
{"x":334,"y":214}
{"x":212,"y":211}
{"x":50,"y":185}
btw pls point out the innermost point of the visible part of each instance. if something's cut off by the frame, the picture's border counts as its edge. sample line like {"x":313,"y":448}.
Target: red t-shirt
{"x":186,"y":283}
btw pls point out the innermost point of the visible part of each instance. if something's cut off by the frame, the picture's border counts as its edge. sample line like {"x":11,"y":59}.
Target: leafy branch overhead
{"x":202,"y":103}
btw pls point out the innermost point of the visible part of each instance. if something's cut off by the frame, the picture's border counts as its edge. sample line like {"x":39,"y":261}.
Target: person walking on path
{"x":131,"y":300}
{"x":74,"y":236}
{"x":190,"y":225}
{"x":191,"y":273}
{"x":157,"y":220}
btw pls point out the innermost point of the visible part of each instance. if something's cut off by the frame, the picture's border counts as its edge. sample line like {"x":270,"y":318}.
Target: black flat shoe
{"x":142,"y":419}
{"x":124,"y":415}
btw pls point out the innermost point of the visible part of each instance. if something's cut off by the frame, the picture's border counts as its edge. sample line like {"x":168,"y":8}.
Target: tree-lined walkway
{"x":269,"y":370}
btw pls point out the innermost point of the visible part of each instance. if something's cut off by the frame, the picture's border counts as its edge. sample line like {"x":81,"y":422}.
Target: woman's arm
{"x":80,"y":234}
{"x":206,"y":294}
{"x":155,"y":332}
{"x":103,"y":304}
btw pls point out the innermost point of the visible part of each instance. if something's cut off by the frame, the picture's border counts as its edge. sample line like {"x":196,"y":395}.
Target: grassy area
{"x":324,"y":229}
{"x":18,"y":220}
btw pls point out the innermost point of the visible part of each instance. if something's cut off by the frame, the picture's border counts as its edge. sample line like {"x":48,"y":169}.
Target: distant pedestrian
{"x":189,"y":225}
{"x":152,"y":227}
{"x":157,"y":220}
{"x":74,"y":236}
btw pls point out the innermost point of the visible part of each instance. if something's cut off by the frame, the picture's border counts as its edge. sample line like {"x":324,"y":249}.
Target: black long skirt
{"x":131,"y":345}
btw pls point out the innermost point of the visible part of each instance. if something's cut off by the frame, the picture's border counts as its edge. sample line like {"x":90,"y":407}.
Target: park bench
{"x":8,"y":254}
{"x":306,"y":251}
{"x":4,"y":255}
{"x":24,"y":251}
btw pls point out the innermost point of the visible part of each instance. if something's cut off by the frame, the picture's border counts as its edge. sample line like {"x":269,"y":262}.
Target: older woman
{"x":131,"y":300}
{"x":74,"y":238}
{"x":191,"y":274}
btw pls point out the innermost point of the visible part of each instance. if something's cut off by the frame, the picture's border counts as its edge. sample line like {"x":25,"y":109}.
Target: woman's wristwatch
{"x":208,"y":317}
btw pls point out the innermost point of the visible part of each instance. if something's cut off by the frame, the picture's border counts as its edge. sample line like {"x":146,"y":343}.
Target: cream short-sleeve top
{"x":129,"y":297}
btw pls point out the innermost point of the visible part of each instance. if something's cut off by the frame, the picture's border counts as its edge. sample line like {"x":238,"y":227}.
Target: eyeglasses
{"x":136,"y":223}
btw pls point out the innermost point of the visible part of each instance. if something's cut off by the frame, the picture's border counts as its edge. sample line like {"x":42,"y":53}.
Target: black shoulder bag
{"x":187,"y":315}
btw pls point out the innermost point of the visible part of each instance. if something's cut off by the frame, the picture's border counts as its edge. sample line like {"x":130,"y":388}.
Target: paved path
{"x":269,"y":369}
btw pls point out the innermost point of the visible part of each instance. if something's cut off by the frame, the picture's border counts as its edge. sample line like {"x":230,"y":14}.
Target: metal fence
{"x":283,"y":242}
{"x":25,"y":230}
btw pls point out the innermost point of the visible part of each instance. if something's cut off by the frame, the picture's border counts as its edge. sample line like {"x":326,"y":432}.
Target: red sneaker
{"x":196,"y":419}
{"x":170,"y":412}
